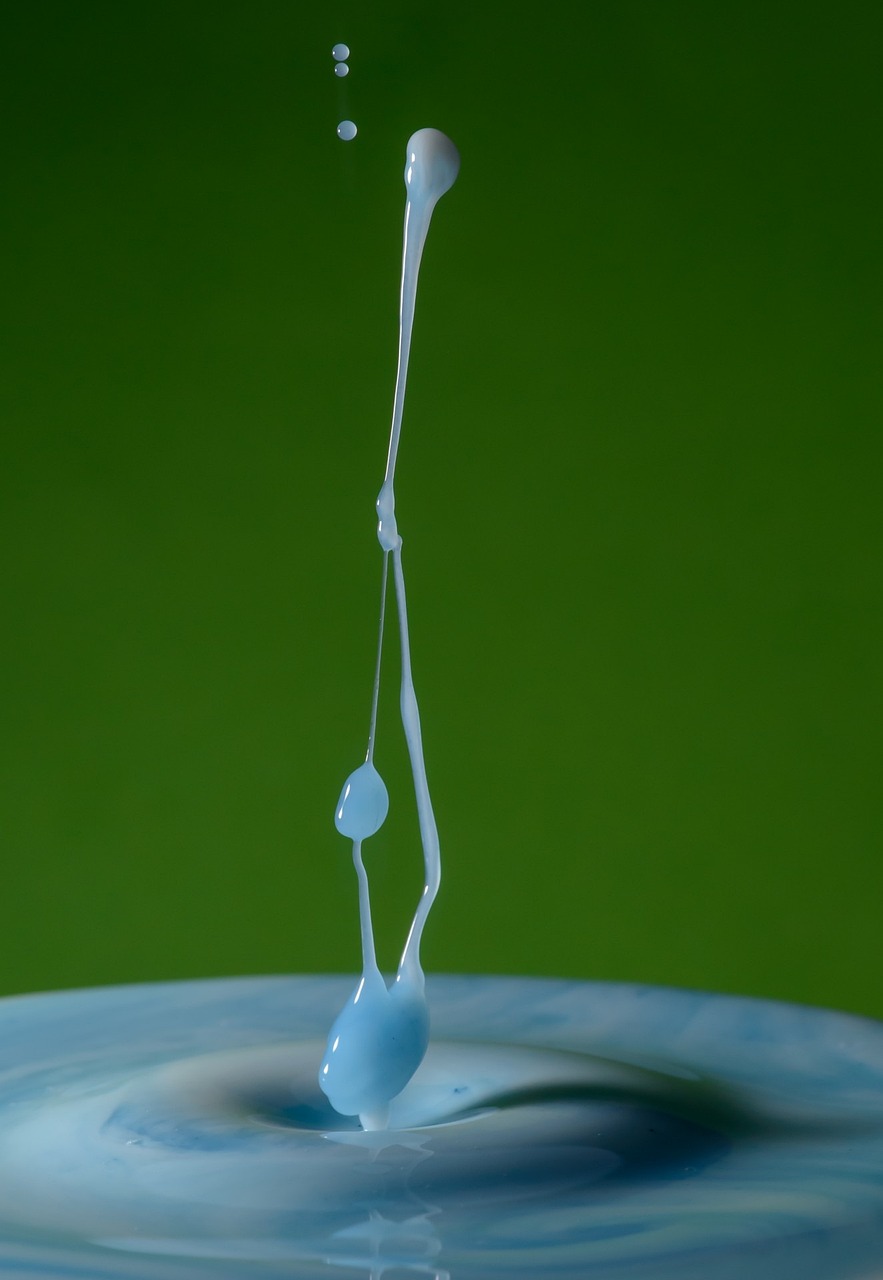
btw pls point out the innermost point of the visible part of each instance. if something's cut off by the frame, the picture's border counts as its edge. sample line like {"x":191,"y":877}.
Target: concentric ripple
{"x":555,"y":1129}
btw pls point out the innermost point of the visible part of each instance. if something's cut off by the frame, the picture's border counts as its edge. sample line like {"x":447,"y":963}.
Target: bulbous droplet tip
{"x":363,"y":804}
{"x":432,"y":163}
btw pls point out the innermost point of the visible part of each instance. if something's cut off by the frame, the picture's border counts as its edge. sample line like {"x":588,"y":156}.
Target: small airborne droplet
{"x":341,"y":69}
{"x":340,"y":52}
{"x":346,"y":130}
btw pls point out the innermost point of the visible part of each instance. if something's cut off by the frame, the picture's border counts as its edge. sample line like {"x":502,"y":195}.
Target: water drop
{"x":432,"y":163}
{"x":346,"y":130}
{"x":341,"y":69}
{"x":340,"y":52}
{"x":377,"y":1042}
{"x":363,"y":804}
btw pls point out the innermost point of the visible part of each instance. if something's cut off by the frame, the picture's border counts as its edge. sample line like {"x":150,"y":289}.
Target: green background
{"x":639,"y":487}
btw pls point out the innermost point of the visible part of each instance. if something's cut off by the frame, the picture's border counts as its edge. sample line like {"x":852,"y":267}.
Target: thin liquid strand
{"x":375,"y":693}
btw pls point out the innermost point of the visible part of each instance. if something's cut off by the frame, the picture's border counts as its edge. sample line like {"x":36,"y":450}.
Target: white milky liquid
{"x":380,"y":1037}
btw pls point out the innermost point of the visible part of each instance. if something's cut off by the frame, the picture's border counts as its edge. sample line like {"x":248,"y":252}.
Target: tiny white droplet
{"x":346,"y":130}
{"x":341,"y":69}
{"x":340,"y":52}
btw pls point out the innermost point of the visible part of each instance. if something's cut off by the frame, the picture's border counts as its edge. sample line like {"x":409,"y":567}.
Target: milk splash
{"x":380,"y":1036}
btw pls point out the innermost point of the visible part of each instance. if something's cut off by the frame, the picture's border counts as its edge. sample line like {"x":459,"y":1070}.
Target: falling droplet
{"x":341,"y":69}
{"x":346,"y":130}
{"x":340,"y":52}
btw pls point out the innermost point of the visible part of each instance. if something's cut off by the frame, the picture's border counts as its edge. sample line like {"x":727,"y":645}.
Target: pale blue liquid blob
{"x":340,"y":52}
{"x":341,"y":69}
{"x":431,"y":167}
{"x":346,"y":130}
{"x":377,"y":1042}
{"x":363,"y":804}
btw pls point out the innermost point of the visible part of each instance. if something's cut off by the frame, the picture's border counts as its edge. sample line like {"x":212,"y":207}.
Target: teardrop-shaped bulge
{"x":432,"y":163}
{"x":377,"y":1042}
{"x":363,"y":804}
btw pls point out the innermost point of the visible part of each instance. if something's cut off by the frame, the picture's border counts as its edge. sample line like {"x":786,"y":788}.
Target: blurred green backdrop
{"x":639,"y":488}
